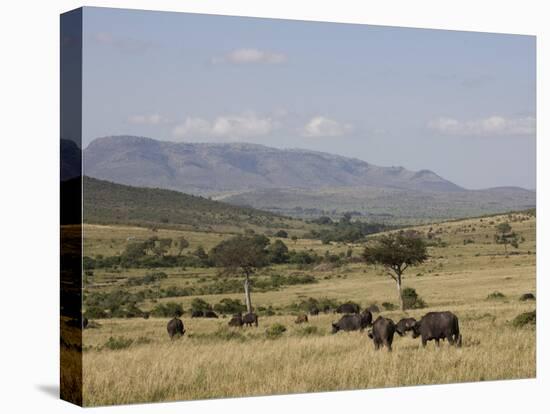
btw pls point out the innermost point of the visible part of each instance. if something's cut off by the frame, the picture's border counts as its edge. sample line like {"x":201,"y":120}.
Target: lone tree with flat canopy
{"x":242,"y":255}
{"x":396,"y":252}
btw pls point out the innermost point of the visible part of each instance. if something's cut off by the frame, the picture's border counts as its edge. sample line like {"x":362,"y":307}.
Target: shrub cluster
{"x":525,"y":319}
{"x":495,"y":295}
{"x":275,"y":331}
{"x":411,"y":300}
{"x":167,"y":310}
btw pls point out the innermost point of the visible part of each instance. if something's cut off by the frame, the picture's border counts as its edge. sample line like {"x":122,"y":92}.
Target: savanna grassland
{"x":127,"y":360}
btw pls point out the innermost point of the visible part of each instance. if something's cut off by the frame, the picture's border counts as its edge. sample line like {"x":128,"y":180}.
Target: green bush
{"x":117,"y":343}
{"x":200,"y":305}
{"x":388,"y":306}
{"x":411,"y":300}
{"x":525,"y":319}
{"x":495,"y":295}
{"x":229,"y":306}
{"x":275,"y":331}
{"x":167,"y":310}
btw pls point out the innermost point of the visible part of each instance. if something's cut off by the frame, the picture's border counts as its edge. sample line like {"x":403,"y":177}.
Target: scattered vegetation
{"x":496,"y":295}
{"x":275,"y":331}
{"x":411,"y":300}
{"x":118,"y":343}
{"x":525,"y":319}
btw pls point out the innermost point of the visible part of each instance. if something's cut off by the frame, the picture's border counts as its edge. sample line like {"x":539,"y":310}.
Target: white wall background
{"x":29,"y":134}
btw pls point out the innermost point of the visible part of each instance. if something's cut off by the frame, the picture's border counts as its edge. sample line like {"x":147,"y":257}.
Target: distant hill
{"x":216,"y":168}
{"x":293,"y":182}
{"x":110,"y":203}
{"x":396,"y":206}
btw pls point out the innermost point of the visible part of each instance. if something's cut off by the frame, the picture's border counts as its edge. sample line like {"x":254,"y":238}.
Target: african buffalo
{"x":301,"y":318}
{"x":382,"y":332}
{"x":250,"y":318}
{"x":348,"y":308}
{"x":527,"y":296}
{"x":436,"y":326}
{"x":355,"y":322}
{"x":197,"y":314}
{"x":236,"y":320}
{"x":210,"y":314}
{"x":404,"y":325}
{"x":175,"y":327}
{"x":314,"y":311}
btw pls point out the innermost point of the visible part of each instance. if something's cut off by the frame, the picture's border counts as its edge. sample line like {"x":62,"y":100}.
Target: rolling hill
{"x":110,"y":203}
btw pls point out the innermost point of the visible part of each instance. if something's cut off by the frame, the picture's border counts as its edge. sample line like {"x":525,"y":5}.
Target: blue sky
{"x":459,"y":103}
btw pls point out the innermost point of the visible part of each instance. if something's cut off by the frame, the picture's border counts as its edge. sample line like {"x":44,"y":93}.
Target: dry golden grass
{"x":213,"y":361}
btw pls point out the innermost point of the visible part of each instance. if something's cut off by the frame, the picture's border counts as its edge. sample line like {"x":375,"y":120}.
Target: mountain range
{"x":290,"y":181}
{"x":215,"y":168}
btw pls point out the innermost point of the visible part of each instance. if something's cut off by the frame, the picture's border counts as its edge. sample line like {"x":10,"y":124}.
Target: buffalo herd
{"x":434,"y":326}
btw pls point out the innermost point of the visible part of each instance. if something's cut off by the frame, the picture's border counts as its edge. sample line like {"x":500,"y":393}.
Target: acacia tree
{"x":396,"y":252}
{"x":242,"y":255}
{"x":504,"y":235}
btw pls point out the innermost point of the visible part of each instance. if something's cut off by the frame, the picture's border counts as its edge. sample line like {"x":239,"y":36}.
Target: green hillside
{"x":110,"y":203}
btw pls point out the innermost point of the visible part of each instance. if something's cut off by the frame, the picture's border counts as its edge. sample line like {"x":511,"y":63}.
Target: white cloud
{"x":321,"y":126}
{"x":153,"y":119}
{"x":226,"y":127}
{"x":244,"y":56}
{"x":491,"y":126}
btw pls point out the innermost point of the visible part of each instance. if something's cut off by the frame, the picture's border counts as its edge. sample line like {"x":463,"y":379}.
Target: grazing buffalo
{"x":250,"y":318}
{"x":382,"y":333}
{"x":145,"y":315}
{"x":356,"y":322}
{"x":210,"y":314}
{"x":236,"y":320}
{"x":197,"y":314}
{"x":348,"y":308}
{"x":301,"y":318}
{"x":314,"y":311}
{"x":436,"y":326}
{"x":404,"y":325}
{"x":527,"y":296}
{"x":175,"y":328}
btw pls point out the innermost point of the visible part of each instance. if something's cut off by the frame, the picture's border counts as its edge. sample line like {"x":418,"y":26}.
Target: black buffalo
{"x":236,"y":320}
{"x":210,"y":314}
{"x":382,"y":333}
{"x":314,"y":311}
{"x":348,"y":308}
{"x":197,"y":314}
{"x":175,"y":328}
{"x":250,"y":318}
{"x":405,"y":325}
{"x":356,"y":322}
{"x":436,"y":326}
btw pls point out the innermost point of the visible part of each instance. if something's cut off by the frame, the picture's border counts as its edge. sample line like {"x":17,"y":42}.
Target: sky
{"x":462,"y":104}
